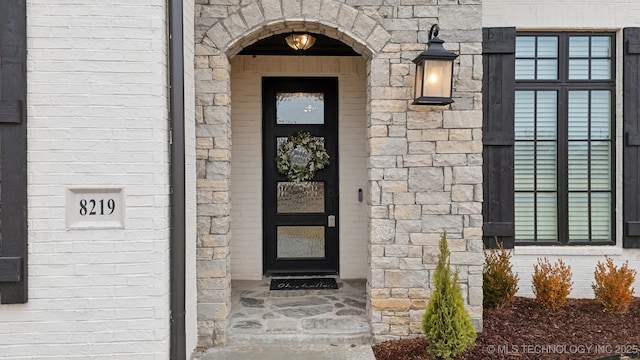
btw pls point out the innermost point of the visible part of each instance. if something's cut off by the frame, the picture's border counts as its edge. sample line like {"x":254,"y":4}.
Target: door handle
{"x":331,"y":221}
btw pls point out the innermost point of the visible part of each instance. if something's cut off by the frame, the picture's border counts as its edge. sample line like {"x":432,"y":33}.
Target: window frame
{"x":563,"y":85}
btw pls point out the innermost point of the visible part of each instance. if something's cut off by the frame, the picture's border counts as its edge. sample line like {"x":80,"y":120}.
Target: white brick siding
{"x":246,"y":168}
{"x":97,"y":116}
{"x":582,"y":261}
{"x":567,"y":14}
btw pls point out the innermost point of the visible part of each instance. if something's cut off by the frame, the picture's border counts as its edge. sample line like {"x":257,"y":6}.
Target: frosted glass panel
{"x":523,"y":169}
{"x":578,"y":166}
{"x":535,"y":115}
{"x":579,"y":46}
{"x":547,"y":223}
{"x":547,"y":69}
{"x":546,"y":117}
{"x":524,"y":216}
{"x":300,"y":242}
{"x":524,"y":119}
{"x":546,"y":165}
{"x":590,"y":58}
{"x":536,"y":57}
{"x":579,"y":69}
{"x":300,"y":197}
{"x":525,"y":46}
{"x":579,"y":169}
{"x":601,"y":216}
{"x":525,"y":69}
{"x":600,"y":69}
{"x":600,"y":221}
{"x":525,"y":57}
{"x":601,"y":114}
{"x":547,"y":47}
{"x":578,"y":115}
{"x":528,"y":206}
{"x":589,"y":107}
{"x":579,"y":216}
{"x":300,"y":108}
{"x":300,"y":156}
{"x":600,"y":165}
{"x":600,"y":46}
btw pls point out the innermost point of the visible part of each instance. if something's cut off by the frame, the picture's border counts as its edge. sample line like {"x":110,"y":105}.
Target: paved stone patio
{"x":298,"y":316}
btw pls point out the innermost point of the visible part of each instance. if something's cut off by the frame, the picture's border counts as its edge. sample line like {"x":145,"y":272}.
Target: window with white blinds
{"x":563,"y":152}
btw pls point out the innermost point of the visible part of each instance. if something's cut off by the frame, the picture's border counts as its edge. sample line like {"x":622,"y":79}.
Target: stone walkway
{"x":298,"y":316}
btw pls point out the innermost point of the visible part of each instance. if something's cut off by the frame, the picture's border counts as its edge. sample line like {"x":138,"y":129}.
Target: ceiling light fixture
{"x":300,"y":41}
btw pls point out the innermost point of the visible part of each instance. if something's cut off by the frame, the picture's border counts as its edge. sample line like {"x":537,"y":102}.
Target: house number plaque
{"x":91,"y":208}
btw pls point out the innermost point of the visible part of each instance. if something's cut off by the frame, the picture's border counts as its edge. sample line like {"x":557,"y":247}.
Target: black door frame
{"x":271,"y":219}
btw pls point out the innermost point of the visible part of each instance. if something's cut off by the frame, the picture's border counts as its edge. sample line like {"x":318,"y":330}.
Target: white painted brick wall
{"x":246,"y":169}
{"x":582,"y":261}
{"x":566,"y":14}
{"x":191,"y":321}
{"x":573,"y":15}
{"x":97,"y":116}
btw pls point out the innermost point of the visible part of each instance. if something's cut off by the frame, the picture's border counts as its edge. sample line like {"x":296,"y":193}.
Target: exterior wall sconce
{"x":300,"y":41}
{"x":434,"y":72}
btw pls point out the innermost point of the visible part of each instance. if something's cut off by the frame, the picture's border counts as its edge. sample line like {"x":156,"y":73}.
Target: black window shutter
{"x":498,"y":57}
{"x":13,"y":152}
{"x":631,"y":148}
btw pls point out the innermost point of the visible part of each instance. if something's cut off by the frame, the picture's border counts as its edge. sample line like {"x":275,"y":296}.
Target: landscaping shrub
{"x":446,"y":323}
{"x":612,"y":286}
{"x":499,"y":282}
{"x":551,"y":284}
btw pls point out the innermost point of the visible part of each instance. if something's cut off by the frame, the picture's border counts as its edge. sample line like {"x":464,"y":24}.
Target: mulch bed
{"x":523,"y":330}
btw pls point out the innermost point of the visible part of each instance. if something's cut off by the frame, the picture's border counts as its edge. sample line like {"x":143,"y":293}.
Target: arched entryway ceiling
{"x":262,"y":19}
{"x":277,"y":45}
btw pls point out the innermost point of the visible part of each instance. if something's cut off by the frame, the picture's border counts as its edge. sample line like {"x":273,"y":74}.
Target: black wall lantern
{"x":434,"y":72}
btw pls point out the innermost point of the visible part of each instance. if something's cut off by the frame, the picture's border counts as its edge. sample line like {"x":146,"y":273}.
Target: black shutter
{"x":631,"y":128}
{"x":13,"y":152}
{"x":498,"y":57}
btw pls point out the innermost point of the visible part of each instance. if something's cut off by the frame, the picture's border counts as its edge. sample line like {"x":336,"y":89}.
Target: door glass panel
{"x":299,"y":156}
{"x":299,"y":108}
{"x":300,"y":242}
{"x":300,"y":197}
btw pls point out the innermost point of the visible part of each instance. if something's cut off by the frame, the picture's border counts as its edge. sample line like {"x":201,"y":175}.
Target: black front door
{"x":300,"y":217}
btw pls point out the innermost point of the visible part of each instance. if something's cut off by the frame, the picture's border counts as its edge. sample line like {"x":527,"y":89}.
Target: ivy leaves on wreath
{"x":300,"y":156}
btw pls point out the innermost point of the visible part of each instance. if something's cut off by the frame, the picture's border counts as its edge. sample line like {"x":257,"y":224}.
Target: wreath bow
{"x":301,"y":156}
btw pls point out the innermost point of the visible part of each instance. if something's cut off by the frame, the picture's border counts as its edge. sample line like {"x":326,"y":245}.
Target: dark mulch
{"x":522,"y":330}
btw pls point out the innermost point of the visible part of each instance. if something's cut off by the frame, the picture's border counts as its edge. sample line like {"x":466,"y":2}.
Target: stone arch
{"x":215,"y":46}
{"x":265,"y":18}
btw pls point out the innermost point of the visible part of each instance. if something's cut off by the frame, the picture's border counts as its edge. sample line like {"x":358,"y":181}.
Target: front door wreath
{"x":300,"y":156}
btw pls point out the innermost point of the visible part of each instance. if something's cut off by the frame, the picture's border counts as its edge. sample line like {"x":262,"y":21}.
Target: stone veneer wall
{"x":425,"y":163}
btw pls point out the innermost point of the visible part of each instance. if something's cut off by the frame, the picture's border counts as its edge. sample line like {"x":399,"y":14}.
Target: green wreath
{"x":301,"y":156}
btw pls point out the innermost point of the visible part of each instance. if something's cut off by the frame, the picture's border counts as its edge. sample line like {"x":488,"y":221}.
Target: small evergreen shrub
{"x":551,"y":283}
{"x":446,"y":323}
{"x":499,"y":282}
{"x":612,"y":287}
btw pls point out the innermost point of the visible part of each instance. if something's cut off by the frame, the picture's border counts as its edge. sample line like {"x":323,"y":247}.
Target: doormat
{"x":303,"y":284}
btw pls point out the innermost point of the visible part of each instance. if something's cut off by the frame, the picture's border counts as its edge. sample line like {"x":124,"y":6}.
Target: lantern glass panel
{"x":437,"y":78}
{"x":419,"y":75}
